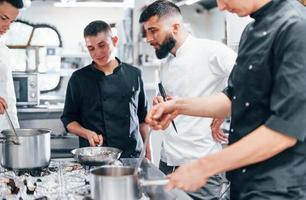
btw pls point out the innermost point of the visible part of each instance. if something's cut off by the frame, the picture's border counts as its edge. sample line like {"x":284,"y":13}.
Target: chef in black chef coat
{"x":105,"y":101}
{"x":266,"y":100}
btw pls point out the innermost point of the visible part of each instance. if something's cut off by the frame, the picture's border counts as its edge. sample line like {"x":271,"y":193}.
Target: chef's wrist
{"x":177,"y":106}
{"x":208,"y":166}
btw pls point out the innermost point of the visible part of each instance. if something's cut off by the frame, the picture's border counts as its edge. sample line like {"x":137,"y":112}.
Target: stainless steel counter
{"x":61,"y":145}
{"x":41,"y":117}
{"x":41,"y":108}
{"x":40,"y":112}
{"x":65,"y":179}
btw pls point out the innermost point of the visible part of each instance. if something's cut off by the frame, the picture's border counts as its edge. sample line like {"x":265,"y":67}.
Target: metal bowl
{"x":96,"y":155}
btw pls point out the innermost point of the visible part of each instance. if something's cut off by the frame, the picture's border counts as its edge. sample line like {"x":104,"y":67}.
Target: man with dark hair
{"x":105,"y":101}
{"x":161,"y":9}
{"x":266,"y":99}
{"x":203,"y":67}
{"x":15,"y":3}
{"x":8,"y":14}
{"x":95,"y":27}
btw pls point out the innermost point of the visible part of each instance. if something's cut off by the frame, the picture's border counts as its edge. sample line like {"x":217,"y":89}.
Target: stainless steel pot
{"x":33,"y":151}
{"x":95,"y":156}
{"x":118,"y":182}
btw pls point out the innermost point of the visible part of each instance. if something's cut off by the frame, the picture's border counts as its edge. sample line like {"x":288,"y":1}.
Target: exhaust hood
{"x":94,"y":4}
{"x":207,"y":4}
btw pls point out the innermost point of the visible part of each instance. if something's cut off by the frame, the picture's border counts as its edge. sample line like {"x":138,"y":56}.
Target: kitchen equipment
{"x":118,"y":182}
{"x":66,"y":179}
{"x":15,"y":140}
{"x":164,"y":95}
{"x":26,"y":88}
{"x":33,"y":151}
{"x":95,"y":156}
{"x":142,"y":153}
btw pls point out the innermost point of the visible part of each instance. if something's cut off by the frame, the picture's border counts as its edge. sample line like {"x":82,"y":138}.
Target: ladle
{"x":16,"y":140}
{"x":142,"y":154}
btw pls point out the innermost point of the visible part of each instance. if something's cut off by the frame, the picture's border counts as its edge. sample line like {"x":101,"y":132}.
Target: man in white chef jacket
{"x":8,"y":14}
{"x":193,"y":67}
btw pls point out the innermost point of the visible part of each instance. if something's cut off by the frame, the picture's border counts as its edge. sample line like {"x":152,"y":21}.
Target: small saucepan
{"x":96,"y":156}
{"x":118,"y":182}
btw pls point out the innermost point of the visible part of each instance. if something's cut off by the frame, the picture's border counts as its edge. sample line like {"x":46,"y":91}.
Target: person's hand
{"x":157,"y":100}
{"x":217,"y":132}
{"x":188,"y":177}
{"x":94,"y":139}
{"x":160,"y":99}
{"x":3,"y":105}
{"x":161,"y":114}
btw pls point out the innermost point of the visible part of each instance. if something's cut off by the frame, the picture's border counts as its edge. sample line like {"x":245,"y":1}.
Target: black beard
{"x":165,"y":47}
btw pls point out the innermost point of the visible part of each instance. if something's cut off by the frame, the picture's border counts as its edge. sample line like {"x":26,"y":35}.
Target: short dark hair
{"x":95,"y":27}
{"x":16,"y":3}
{"x":159,"y":8}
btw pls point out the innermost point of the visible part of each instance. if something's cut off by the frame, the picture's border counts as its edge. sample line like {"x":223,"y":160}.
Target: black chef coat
{"x":268,"y":87}
{"x":112,"y":105}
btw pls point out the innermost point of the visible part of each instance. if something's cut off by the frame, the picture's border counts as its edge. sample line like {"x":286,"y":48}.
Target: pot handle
{"x":154,"y":182}
{"x":2,"y":139}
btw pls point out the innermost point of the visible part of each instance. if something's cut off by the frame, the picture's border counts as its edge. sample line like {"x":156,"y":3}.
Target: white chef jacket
{"x":200,"y":68}
{"x":7,"y":88}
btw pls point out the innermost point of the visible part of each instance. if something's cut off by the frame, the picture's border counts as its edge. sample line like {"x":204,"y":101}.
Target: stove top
{"x":63,"y":179}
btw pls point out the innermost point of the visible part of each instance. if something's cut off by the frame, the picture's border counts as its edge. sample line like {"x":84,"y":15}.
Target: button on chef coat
{"x":267,"y":87}
{"x":111,"y":105}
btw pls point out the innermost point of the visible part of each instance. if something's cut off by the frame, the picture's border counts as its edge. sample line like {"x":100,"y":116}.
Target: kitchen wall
{"x":234,"y":28}
{"x":204,"y":23}
{"x":70,"y":21}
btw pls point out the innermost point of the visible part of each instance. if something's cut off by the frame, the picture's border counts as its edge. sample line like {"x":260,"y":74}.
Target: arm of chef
{"x":221,"y":64}
{"x":3,"y":105}
{"x":71,"y":114}
{"x":141,"y":113}
{"x":261,"y":144}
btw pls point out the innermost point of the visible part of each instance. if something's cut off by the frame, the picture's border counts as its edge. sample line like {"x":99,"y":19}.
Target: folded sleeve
{"x":288,"y":99}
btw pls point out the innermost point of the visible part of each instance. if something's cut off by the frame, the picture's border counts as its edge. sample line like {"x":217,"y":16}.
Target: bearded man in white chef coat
{"x":8,"y":14}
{"x":193,"y":67}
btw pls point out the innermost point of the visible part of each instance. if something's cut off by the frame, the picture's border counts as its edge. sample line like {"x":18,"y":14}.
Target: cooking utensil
{"x":33,"y":152}
{"x":142,"y":153}
{"x":118,"y":182}
{"x":15,"y":140}
{"x":164,"y":95}
{"x":95,"y":156}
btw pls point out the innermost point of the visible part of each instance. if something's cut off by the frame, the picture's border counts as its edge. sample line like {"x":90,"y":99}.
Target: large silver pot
{"x":118,"y":182}
{"x":33,"y":151}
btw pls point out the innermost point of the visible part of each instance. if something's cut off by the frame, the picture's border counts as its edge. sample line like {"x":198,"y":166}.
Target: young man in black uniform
{"x":105,"y":101}
{"x":266,"y":100}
